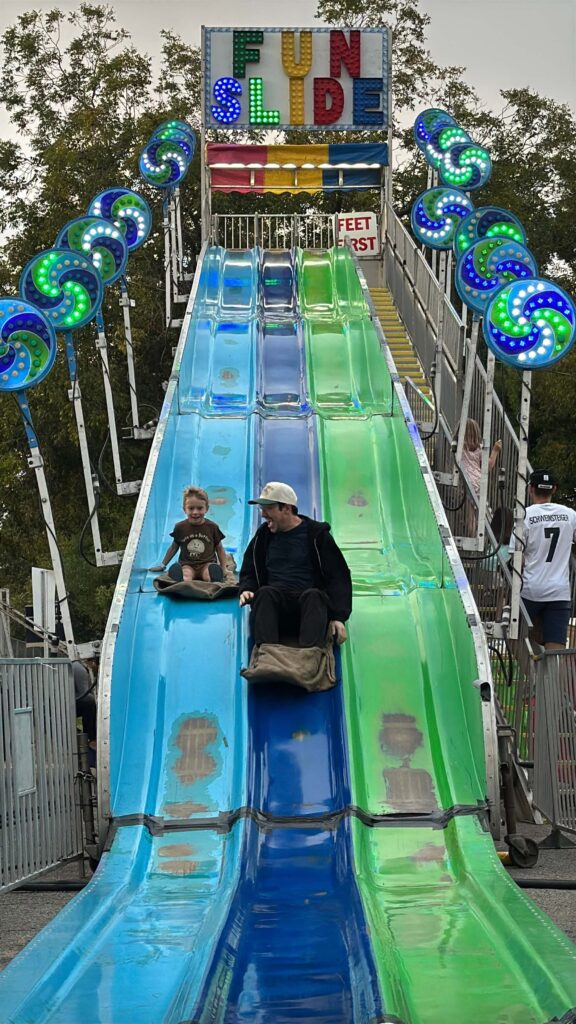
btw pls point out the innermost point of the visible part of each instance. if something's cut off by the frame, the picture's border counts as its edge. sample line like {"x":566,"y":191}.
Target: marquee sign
{"x":318,"y":78}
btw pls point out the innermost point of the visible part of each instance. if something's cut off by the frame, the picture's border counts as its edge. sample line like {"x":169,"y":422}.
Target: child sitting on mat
{"x":198,"y":540}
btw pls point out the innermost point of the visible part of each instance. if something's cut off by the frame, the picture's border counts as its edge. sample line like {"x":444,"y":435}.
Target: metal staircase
{"x":401,"y":347}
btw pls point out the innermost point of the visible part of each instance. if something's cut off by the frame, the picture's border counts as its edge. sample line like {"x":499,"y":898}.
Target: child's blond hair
{"x":472,"y":436}
{"x":195,"y":492}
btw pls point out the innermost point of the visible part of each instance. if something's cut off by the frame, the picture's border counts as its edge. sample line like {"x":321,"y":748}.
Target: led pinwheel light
{"x":441,"y":142}
{"x":487,"y":222}
{"x":436,"y":215}
{"x":429,"y":121}
{"x":530,"y":324}
{"x":465,"y":165}
{"x":101,"y":241}
{"x":164,"y":163}
{"x":64,"y":285}
{"x":128,"y":210}
{"x":175,"y":130}
{"x":27,"y":345}
{"x":487,"y":266}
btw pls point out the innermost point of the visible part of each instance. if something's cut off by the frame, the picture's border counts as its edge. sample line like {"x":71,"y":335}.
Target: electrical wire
{"x":506,"y":672}
{"x":96,"y":485}
{"x":109,"y":487}
{"x":500,"y":540}
{"x":455,"y":508}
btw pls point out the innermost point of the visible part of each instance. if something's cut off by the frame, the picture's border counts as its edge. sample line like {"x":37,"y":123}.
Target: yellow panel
{"x":298,"y":155}
{"x":307,"y":180}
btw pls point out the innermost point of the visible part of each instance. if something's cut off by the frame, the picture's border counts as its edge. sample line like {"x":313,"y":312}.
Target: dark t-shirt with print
{"x":197,"y":543}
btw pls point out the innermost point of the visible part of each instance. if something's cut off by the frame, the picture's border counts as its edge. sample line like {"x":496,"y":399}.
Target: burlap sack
{"x":198,"y":590}
{"x":312,"y":668}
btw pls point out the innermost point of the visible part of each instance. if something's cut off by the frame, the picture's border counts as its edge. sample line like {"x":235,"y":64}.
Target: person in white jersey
{"x":549,"y":532}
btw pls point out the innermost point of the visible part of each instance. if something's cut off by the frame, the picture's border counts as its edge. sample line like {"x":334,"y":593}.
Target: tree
{"x":84,"y":103}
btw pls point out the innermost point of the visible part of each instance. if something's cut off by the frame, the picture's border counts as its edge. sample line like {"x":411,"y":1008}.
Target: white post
{"x":36,"y":463}
{"x":102,"y":349}
{"x":5,"y":637}
{"x":439,"y":349}
{"x":102,"y":558}
{"x":520,"y":506}
{"x":127,"y":487}
{"x":173,"y":245}
{"x":486,"y":447}
{"x":204,"y":208}
{"x":126,"y":303}
{"x":167,"y":262}
{"x":471,"y":346}
{"x":179,"y":243}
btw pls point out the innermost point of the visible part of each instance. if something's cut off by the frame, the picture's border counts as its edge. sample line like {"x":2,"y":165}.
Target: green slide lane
{"x":454,"y":938}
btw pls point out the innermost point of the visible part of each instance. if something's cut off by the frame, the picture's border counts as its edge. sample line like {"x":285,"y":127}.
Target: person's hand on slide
{"x":339,"y":632}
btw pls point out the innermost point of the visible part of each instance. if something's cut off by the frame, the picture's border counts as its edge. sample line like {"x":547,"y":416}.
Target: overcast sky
{"x":503,"y":43}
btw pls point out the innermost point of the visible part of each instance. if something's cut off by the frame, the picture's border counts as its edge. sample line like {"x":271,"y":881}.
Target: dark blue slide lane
{"x":295,"y":946}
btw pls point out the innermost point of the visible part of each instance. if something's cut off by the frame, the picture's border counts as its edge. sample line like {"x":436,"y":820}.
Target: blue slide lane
{"x":295,"y":944}
{"x":262,"y":923}
{"x":143,"y":931}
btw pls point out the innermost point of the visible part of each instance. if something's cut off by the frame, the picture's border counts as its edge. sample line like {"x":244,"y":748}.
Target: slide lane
{"x":139,"y":938}
{"x":295,"y":945}
{"x":454,"y":938}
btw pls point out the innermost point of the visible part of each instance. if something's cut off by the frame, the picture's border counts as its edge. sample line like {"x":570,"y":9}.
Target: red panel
{"x":227,"y":179}
{"x":230,"y":154}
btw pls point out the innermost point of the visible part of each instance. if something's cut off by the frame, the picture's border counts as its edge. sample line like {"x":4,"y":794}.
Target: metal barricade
{"x":40,"y":821}
{"x":554,"y":731}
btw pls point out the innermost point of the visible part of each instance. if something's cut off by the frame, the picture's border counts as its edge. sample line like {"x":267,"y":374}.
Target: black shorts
{"x":554,"y":616}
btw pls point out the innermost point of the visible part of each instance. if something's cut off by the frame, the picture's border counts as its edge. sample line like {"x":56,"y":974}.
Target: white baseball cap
{"x":275,"y":492}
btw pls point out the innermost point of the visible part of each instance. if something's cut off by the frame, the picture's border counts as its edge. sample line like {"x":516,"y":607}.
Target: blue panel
{"x":281,"y":386}
{"x":352,"y":179}
{"x":180,"y":661}
{"x":278,"y":284}
{"x":287,"y":451}
{"x":232,"y":371}
{"x":239,"y":288}
{"x":142,"y":931}
{"x":358,"y":153}
{"x":295,"y":947}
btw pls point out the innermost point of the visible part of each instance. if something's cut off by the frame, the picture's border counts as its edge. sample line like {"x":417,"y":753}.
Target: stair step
{"x":401,"y":348}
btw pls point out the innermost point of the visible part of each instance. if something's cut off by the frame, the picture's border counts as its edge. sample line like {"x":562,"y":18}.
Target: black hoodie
{"x":331,"y":572}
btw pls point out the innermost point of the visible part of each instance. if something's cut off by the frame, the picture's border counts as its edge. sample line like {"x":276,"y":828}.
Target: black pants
{"x":286,"y":613}
{"x":86,"y":710}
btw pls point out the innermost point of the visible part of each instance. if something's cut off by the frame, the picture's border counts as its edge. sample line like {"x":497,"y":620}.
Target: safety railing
{"x":274,"y":231}
{"x":40,"y":820}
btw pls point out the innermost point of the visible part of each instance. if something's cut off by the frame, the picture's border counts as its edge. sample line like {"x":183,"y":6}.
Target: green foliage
{"x":84,"y":102}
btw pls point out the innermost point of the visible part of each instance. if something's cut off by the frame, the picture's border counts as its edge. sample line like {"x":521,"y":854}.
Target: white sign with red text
{"x":360,"y":231}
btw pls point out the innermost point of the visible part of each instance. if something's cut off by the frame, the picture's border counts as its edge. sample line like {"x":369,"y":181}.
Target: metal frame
{"x":90,"y":482}
{"x":36,"y":462}
{"x":122,"y":486}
